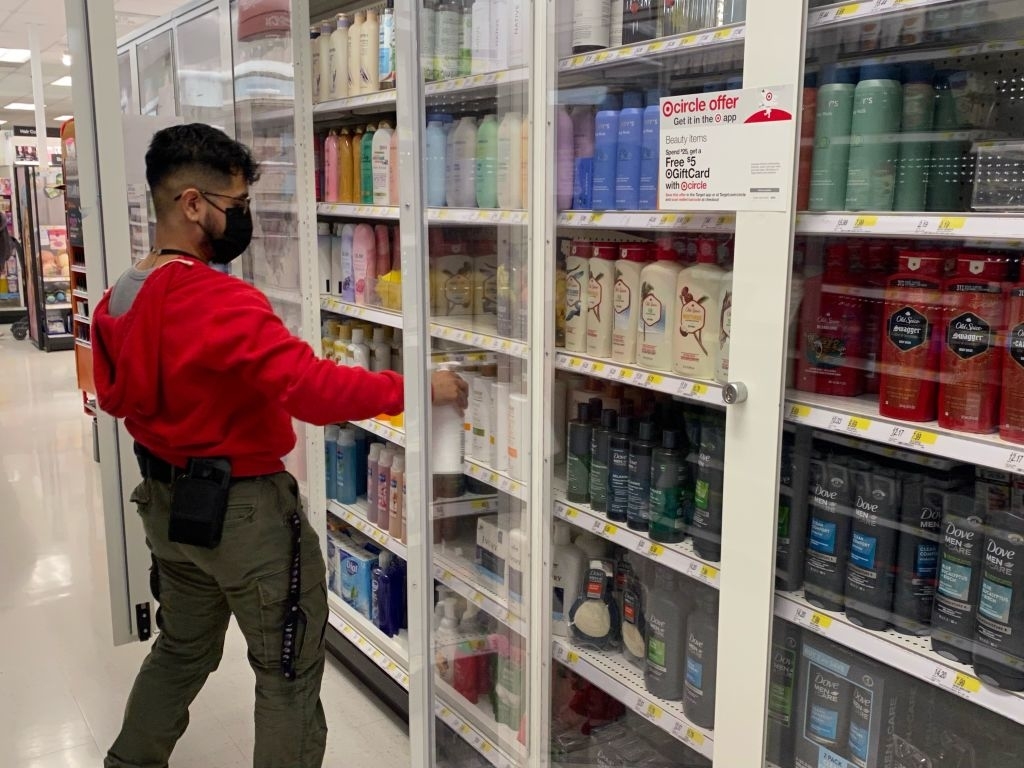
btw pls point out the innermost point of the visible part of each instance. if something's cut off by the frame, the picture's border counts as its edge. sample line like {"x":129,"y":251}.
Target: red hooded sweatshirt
{"x":201,"y":366}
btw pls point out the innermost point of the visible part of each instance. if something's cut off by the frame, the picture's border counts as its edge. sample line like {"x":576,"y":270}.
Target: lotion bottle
{"x":354,"y":30}
{"x":339,"y":56}
{"x":698,"y":292}
{"x":657,"y":311}
{"x":369,"y":53}
{"x":599,"y":299}
{"x":381,"y":169}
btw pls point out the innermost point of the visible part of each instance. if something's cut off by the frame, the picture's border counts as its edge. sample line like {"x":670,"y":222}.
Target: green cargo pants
{"x":199,"y":589}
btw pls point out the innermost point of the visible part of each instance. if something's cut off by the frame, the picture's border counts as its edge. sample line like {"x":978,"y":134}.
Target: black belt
{"x":155,"y":468}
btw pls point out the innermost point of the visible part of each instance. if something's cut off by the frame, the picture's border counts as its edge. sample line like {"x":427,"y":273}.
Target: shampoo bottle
{"x":487,"y":163}
{"x":372,"y":486}
{"x":578,"y":460}
{"x":641,"y":451}
{"x":698,"y":292}
{"x":600,"y":458}
{"x":314,"y":49}
{"x":567,"y":567}
{"x":461,"y":153}
{"x":650,"y":153}
{"x":708,"y":488}
{"x":387,"y":456}
{"x":666,"y":637}
{"x":606,"y":137}
{"x":618,"y":471}
{"x":657,"y":311}
{"x":331,"y":434}
{"x":565,"y":157}
{"x":668,"y":475}
{"x":436,"y":151}
{"x":877,"y":113}
{"x":961,"y":563}
{"x":380,"y":165}
{"x":347,"y":468}
{"x":509,"y":182}
{"x":364,"y":261}
{"x":831,"y":158}
{"x":915,"y":156}
{"x":999,"y":632}
{"x":366,"y":165}
{"x":626,"y":300}
{"x":357,"y":166}
{"x":577,"y":292}
{"x":600,"y":300}
{"x":629,"y":149}
{"x":917,"y":555}
{"x":369,"y":53}
{"x":702,"y":661}
{"x":583,"y":154}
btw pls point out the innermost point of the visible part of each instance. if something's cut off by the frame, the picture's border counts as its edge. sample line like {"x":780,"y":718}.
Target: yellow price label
{"x":657,"y":46}
{"x":797,"y":411}
{"x":820,"y":620}
{"x":865,"y":221}
{"x":951,"y":223}
{"x":848,"y":10}
{"x":966,"y":683}
{"x":656,"y":380}
{"x":858,"y":424}
{"x":485,"y":746}
{"x":656,"y":550}
{"x":709,"y":572}
{"x":572,"y":657}
{"x":598,"y":367}
{"x":463,"y":729}
{"x":602,"y":56}
{"x":700,"y":389}
{"x":722,"y":34}
{"x":653,"y":711}
{"x":570,"y":512}
{"x":610,"y":530}
{"x":596,"y":217}
{"x":921,"y":437}
{"x":695,"y":737}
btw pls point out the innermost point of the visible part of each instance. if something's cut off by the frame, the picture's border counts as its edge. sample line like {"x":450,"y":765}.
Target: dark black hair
{"x":198,"y":153}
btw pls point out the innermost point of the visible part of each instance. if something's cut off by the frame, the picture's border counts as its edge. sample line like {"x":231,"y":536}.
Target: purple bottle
{"x":564,"y":158}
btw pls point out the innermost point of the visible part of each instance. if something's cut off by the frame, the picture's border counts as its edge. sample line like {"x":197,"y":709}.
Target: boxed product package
{"x":354,"y":573}
{"x":492,"y":550}
{"x":848,"y":708}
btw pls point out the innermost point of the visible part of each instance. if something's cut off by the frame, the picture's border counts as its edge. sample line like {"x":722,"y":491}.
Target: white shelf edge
{"x":911,"y":655}
{"x":389,"y":653}
{"x":701,"y":391}
{"x":58,"y":306}
{"x":647,"y":220}
{"x":859,"y":418}
{"x":355,"y":211}
{"x":477,"y":216}
{"x":384,"y":97}
{"x":674,"y":556}
{"x":500,"y":480}
{"x":463,"y":330}
{"x":331,"y":303}
{"x":655,"y":710}
{"x":355,"y":515}
{"x":476,"y":82}
{"x":466,"y":584}
{"x":380,"y":429}
{"x":687,"y":41}
{"x":477,"y":727}
{"x":57,"y":279}
{"x":992,"y":227}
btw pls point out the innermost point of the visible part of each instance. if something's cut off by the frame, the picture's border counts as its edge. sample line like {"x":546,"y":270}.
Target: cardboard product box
{"x":848,"y":708}
{"x":492,"y":551}
{"x":355,"y":569}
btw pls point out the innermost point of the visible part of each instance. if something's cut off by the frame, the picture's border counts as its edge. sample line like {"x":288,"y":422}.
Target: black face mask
{"x":237,"y":234}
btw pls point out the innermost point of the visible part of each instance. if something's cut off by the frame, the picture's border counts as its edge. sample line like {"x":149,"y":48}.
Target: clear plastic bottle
{"x":486,"y":181}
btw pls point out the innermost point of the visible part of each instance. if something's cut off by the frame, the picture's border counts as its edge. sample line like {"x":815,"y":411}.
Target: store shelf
{"x":653,"y":49}
{"x":58,"y":305}
{"x":82,"y":319}
{"x":614,"y":675}
{"x":355,"y":515}
{"x":274,"y":293}
{"x":841,"y":13}
{"x":475,"y":86}
{"x":382,"y":429}
{"x":389,"y":653}
{"x":477,"y":216}
{"x":858,"y":418}
{"x":460,"y":575}
{"x":83,"y":343}
{"x":706,"y":392}
{"x":907,"y":653}
{"x":500,"y":480}
{"x":681,"y":558}
{"x":475,"y":723}
{"x":992,"y":227}
{"x":78,"y":293}
{"x":337,"y":107}
{"x":477,"y":332}
{"x":464,"y":506}
{"x":346,"y":211}
{"x":330,"y":303}
{"x":79,"y":268}
{"x":657,"y":220}
{"x":57,"y":279}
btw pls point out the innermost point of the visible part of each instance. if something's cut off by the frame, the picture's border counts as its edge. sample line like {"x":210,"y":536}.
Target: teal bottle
{"x":877,"y":115}
{"x":668,"y":475}
{"x":487,"y":163}
{"x":915,"y":156}
{"x":831,"y":157}
{"x":366,"y":165}
{"x":949,"y":168}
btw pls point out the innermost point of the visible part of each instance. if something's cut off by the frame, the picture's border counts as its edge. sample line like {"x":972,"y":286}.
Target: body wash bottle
{"x":657,"y":311}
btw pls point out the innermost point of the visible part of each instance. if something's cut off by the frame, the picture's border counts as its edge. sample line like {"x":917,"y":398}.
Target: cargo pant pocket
{"x":309,"y":637}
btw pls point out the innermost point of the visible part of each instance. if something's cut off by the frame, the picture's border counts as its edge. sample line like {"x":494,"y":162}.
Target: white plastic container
{"x":577,"y":281}
{"x":382,"y":169}
{"x":626,"y":300}
{"x":369,"y":54}
{"x":568,"y":563}
{"x":482,"y":406}
{"x":446,"y":449}
{"x":500,"y":391}
{"x":510,"y":187}
{"x":359,"y":349}
{"x":324,"y":241}
{"x":518,"y":432}
{"x":725,"y":329}
{"x":657,"y":311}
{"x":324,"y":60}
{"x":354,"y":86}
{"x":695,"y":332}
{"x":460,"y":185}
{"x":482,"y":51}
{"x":380,"y":350}
{"x":600,"y":312}
{"x":339,"y":57}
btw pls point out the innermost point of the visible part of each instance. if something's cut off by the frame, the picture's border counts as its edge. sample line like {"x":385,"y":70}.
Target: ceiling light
{"x":64,"y":82}
{"x":15,"y":55}
{"x":65,"y":59}
{"x":62,"y":118}
{"x":3,"y":122}
{"x":20,"y":105}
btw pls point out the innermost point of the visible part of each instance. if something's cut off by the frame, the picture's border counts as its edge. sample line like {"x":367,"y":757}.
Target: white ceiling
{"x":17,"y":16}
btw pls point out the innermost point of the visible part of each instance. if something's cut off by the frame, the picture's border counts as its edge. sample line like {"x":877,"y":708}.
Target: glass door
{"x":900,"y":512}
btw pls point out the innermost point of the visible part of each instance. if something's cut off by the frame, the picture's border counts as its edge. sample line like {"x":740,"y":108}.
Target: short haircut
{"x":195,"y":155}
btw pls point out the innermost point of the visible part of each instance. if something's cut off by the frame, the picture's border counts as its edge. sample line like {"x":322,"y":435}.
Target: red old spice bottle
{"x":877,"y":268}
{"x":830,"y":345}
{"x":970,"y":363}
{"x":1011,"y":414}
{"x":912,"y":340}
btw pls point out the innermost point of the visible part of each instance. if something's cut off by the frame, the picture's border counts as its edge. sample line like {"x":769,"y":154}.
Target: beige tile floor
{"x":62,"y":683}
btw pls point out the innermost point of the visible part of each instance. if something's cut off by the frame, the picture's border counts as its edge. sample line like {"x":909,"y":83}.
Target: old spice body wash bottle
{"x":830,"y":346}
{"x":1011,"y":415}
{"x":970,"y":362}
{"x":877,"y":268}
{"x":912,"y":331}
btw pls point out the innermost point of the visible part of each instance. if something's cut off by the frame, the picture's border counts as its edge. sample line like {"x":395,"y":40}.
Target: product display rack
{"x":767,"y":50}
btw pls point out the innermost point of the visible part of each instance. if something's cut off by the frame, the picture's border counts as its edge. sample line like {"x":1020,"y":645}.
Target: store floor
{"x":62,"y":683}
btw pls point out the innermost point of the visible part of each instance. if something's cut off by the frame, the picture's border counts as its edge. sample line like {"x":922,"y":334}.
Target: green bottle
{"x":831,"y":156}
{"x":667,"y":478}
{"x":915,"y":156}
{"x":877,"y":114}
{"x":366,"y":165}
{"x":948,"y":166}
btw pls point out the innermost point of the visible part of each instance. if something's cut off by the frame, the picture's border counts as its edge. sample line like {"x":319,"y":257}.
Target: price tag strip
{"x":331,"y":303}
{"x":386,"y":431}
{"x":967,"y":226}
{"x":707,"y":392}
{"x":499,"y":480}
{"x":339,"y":106}
{"x":912,"y":655}
{"x":356,"y":517}
{"x":618,"y":678}
{"x":359,"y":631}
{"x":477,"y":216}
{"x":477,"y":726}
{"x":342,"y":210}
{"x":679,"y":557}
{"x":834,"y":415}
{"x":465,"y":582}
{"x":664,"y":45}
{"x":479,"y":339}
{"x":470,"y":83}
{"x":648,"y":220}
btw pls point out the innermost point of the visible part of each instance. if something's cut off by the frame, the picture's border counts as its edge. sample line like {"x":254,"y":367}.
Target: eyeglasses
{"x":244,"y":201}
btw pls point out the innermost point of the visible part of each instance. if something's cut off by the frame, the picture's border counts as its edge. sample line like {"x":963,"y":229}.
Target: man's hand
{"x":447,"y":388}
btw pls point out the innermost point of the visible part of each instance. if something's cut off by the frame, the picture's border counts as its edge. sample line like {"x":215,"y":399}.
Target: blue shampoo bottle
{"x":650,"y":153}
{"x":606,"y":140}
{"x":628,"y":151}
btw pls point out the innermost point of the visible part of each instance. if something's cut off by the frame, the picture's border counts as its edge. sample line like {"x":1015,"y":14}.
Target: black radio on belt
{"x":199,"y":500}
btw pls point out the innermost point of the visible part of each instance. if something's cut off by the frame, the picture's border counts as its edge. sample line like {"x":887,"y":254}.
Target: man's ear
{"x":190,"y":202}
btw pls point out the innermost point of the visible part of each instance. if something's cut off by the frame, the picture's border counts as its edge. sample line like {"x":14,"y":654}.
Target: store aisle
{"x":62,"y":683}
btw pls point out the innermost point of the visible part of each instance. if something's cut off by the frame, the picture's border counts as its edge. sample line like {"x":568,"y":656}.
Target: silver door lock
{"x":734,"y":392}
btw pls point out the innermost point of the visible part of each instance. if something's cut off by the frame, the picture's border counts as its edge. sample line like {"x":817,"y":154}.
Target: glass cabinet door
{"x":156,"y":75}
{"x":900,"y":505}
{"x":204,"y":83}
